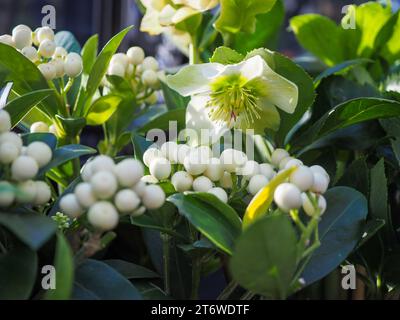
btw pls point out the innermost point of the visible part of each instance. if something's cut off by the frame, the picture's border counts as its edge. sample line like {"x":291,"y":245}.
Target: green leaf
{"x":150,"y":291}
{"x":64,"y":265}
{"x":102,"y":109}
{"x":214,"y":219}
{"x":32,"y":229}
{"x":264,"y":259}
{"x":327,"y":45}
{"x":26,"y":77}
{"x":130,"y":270}
{"x":99,"y":69}
{"x":392,"y":128}
{"x":340,"y":229}
{"x":291,"y":71}
{"x":96,"y":280}
{"x":173,"y":99}
{"x":391,"y":49}
{"x":140,"y":145}
{"x":240,"y":15}
{"x":48,"y":138}
{"x":356,"y":176}
{"x":162,"y":121}
{"x":225,"y":55}
{"x":89,"y":53}
{"x":19,"y":107}
{"x":18,"y":268}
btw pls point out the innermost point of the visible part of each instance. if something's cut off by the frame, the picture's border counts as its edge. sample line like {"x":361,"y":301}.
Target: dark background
{"x":106,"y":17}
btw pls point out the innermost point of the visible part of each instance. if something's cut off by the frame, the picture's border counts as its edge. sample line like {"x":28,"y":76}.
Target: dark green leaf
{"x":48,"y":138}
{"x":130,"y":270}
{"x":173,"y":99}
{"x":162,"y":122}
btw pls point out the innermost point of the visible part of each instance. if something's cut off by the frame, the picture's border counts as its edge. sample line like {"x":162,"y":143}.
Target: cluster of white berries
{"x":109,"y":190}
{"x":197,"y":169}
{"x":20,"y":164}
{"x":39,"y":47}
{"x":43,"y":127}
{"x":304,"y":188}
{"x":142,"y":72}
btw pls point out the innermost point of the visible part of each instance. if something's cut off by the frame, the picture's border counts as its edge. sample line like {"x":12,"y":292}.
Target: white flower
{"x":242,"y":96}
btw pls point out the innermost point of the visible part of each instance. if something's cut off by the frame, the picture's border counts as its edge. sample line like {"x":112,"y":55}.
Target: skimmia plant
{"x":247,"y":167}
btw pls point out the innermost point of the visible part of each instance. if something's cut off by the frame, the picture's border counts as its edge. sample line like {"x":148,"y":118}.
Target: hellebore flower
{"x":240,"y":96}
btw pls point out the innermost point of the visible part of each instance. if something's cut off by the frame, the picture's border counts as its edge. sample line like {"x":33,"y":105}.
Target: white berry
{"x":121,"y":59}
{"x":30,"y":53}
{"x":139,"y":188}
{"x":70,"y":206}
{"x":73,"y":65}
{"x":170,"y":151}
{"x":233,"y":159}
{"x":43,"y":193}
{"x":104,"y":184}
{"x":303,"y":178}
{"x":24,"y":168}
{"x":11,"y":137}
{"x":27,"y":192}
{"x":129,"y":172}
{"x":202,"y":184}
{"x":150,"y":154}
{"x":219,"y":193}
{"x":87,"y":172}
{"x":103,"y":216}
{"x":48,"y":71}
{"x":321,"y":183}
{"x":150,"y":78}
{"x":116,"y":69}
{"x":214,"y":169}
{"x":160,"y":168}
{"x":102,"y":163}
{"x":22,"y":36}
{"x":153,"y":197}
{"x":126,"y":201}
{"x":149,"y":63}
{"x":287,"y":197}
{"x":44,"y":33}
{"x":293,"y":163}
{"x":135,"y":55}
{"x":321,"y":170}
{"x":5,"y":121}
{"x":284,"y":162}
{"x":85,"y":195}
{"x":195,"y":162}
{"x":47,"y":48}
{"x":278,"y":155}
{"x":41,"y":152}
{"x":139,"y":211}
{"x":182,"y":181}
{"x":250,"y":169}
{"x":267,"y":170}
{"x":39,"y":127}
{"x":8,"y":152}
{"x":183,"y":151}
{"x":149,"y":179}
{"x":257,"y":183}
{"x":308,"y":206}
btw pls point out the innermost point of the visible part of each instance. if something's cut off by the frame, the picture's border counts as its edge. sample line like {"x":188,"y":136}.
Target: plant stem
{"x":196,"y":275}
{"x":230,"y":288}
{"x":166,"y":259}
{"x":194,"y":56}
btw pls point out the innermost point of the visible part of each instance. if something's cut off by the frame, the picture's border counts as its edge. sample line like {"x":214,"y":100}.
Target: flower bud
{"x":73,"y":65}
{"x":219,"y":193}
{"x":135,"y":55}
{"x":22,"y":36}
{"x":47,"y":48}
{"x":48,"y":71}
{"x":30,"y":53}
{"x":44,"y":33}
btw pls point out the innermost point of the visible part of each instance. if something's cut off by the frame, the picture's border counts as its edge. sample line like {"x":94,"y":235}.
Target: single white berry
{"x":60,"y":53}
{"x":30,"y":53}
{"x":7,"y":39}
{"x":267,"y":170}
{"x":308,"y":206}
{"x":85,"y":195}
{"x":5,"y":121}
{"x":257,"y":183}
{"x":160,"y":168}
{"x":321,"y":183}
{"x":73,"y":65}
{"x":293,"y":163}
{"x":202,"y":184}
{"x":87,"y":172}
{"x":139,"y":188}
{"x":170,"y":151}
{"x":11,"y":137}
{"x":39,"y":127}
{"x":139,"y":211}
{"x":153,"y":197}
{"x":149,"y":63}
{"x":321,"y":170}
{"x":195,"y":162}
{"x":121,"y":59}
{"x":150,"y":154}
{"x":27,"y":192}
{"x":214,"y":169}
{"x":149,"y":179}
{"x":7,"y":195}
{"x":41,"y":152}
{"x":303,"y":178}
{"x":102,"y":163}
{"x":44,"y":33}
{"x":104,"y":184}
{"x":43,"y":193}
{"x":226,"y":181}
{"x":183,"y":151}
{"x":58,"y":64}
{"x":287,"y":197}
{"x":219,"y":193}
{"x":53,"y":129}
{"x":284,"y":162}
{"x":24,"y":168}
{"x":135,"y":55}
{"x":22,"y":36}
{"x":8,"y":152}
{"x":47,"y":48}
{"x":126,"y":201}
{"x":150,"y":78}
{"x":48,"y":71}
{"x":103,"y":216}
{"x":233,"y":159}
{"x":129,"y":172}
{"x":70,"y":206}
{"x":250,"y":169}
{"x":182,"y":181}
{"x":116,"y":69}
{"x":278,"y":155}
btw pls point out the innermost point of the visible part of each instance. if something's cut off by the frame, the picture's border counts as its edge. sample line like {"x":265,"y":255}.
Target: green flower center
{"x":233,"y":97}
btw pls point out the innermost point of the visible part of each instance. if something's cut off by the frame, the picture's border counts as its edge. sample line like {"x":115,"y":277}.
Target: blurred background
{"x":106,"y":17}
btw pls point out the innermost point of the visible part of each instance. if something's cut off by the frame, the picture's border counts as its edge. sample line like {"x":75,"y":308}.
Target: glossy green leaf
{"x":173,"y":99}
{"x":89,"y":53}
{"x":18,"y":268}
{"x":48,"y":138}
{"x":163,"y":121}
{"x":392,"y":128}
{"x":356,"y":176}
{"x":264,"y":259}
{"x":214,"y":219}
{"x":130,"y":270}
{"x":225,"y":55}
{"x":95,"y":280}
{"x":340,"y":229}
{"x":32,"y":229}
{"x":102,"y":109}
{"x":64,"y":265}
{"x":19,"y":107}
